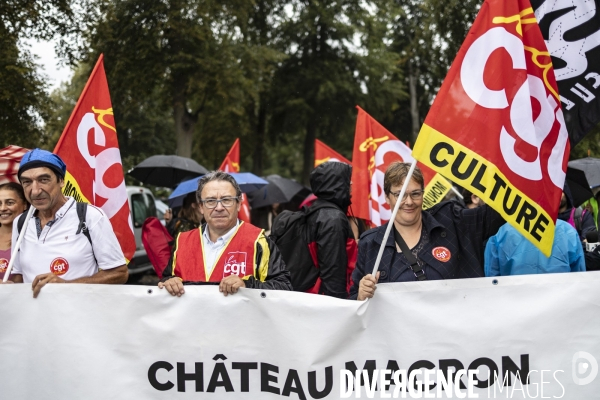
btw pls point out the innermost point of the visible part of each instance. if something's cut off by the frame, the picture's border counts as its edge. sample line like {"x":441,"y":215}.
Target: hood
{"x":331,"y":181}
{"x":569,"y":196}
{"x":566,"y":215}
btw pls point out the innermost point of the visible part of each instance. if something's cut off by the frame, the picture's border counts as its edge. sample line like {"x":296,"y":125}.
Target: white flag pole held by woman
{"x":393,"y":217}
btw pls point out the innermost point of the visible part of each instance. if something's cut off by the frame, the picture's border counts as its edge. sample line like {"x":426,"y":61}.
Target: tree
{"x":24,"y":103}
{"x":426,"y":35}
{"x":325,"y":75}
{"x":260,"y":54}
{"x":177,"y":51}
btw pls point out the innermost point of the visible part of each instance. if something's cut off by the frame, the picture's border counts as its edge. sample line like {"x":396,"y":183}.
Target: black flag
{"x":571,"y":30}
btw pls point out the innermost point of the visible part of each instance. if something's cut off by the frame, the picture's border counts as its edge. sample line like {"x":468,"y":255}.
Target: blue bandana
{"x":42,"y":158}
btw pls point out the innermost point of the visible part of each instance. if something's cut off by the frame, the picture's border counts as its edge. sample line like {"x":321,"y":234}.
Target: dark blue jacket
{"x":455,"y":234}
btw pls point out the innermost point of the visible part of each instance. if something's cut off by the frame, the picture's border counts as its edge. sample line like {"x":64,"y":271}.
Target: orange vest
{"x":236,"y":258}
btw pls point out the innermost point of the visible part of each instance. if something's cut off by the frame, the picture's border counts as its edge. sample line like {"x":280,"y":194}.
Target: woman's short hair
{"x":17,"y":188}
{"x":396,"y":173}
{"x":217,"y":176}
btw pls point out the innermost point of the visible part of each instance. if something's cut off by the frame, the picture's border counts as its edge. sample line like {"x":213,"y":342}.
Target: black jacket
{"x":329,"y":229}
{"x":587,"y":219}
{"x":462,"y":232}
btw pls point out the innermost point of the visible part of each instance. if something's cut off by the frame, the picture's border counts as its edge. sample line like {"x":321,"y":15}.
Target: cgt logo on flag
{"x":90,"y":148}
{"x":90,"y":131}
{"x":375,"y":148}
{"x":496,"y":126}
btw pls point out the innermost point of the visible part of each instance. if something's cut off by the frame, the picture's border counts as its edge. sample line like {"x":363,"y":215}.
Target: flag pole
{"x":16,"y":248}
{"x":393,"y":217}
{"x":458,"y":194}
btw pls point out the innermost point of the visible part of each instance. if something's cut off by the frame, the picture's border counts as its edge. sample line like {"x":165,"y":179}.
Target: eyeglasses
{"x":225,"y":201}
{"x":414,"y":195}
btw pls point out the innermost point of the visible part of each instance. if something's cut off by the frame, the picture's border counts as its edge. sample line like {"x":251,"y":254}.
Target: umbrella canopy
{"x":248,"y":183}
{"x":10,"y":157}
{"x":279,"y":190}
{"x":578,"y":185}
{"x":591,"y":167}
{"x":162,"y":170}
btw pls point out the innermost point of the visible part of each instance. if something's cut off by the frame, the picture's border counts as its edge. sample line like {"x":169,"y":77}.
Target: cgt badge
{"x":3,"y":265}
{"x":59,"y":266}
{"x":442,"y":254}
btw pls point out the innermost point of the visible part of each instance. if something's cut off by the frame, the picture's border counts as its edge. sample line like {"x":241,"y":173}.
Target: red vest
{"x":236,"y":258}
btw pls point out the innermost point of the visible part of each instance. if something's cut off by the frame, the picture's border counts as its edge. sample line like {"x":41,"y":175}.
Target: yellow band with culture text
{"x":484,"y":179}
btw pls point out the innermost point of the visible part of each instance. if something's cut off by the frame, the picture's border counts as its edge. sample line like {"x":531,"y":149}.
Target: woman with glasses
{"x":444,"y":242}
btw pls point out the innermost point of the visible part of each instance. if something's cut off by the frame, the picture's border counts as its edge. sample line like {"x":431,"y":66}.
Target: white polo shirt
{"x":60,"y":251}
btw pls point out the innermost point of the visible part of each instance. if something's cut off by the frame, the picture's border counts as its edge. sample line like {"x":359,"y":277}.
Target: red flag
{"x":496,"y":126}
{"x":375,"y":148}
{"x":10,"y":157}
{"x":90,"y":149}
{"x":231,"y":163}
{"x":324,"y":153}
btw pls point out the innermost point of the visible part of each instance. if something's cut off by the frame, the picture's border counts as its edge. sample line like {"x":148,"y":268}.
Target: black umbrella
{"x":591,"y":167}
{"x":578,"y":185}
{"x":162,"y":170}
{"x":279,"y":190}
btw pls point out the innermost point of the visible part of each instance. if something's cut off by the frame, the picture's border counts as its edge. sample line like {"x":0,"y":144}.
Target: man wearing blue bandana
{"x":63,"y":242}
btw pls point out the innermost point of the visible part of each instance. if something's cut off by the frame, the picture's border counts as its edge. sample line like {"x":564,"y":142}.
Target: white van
{"x":142,"y":206}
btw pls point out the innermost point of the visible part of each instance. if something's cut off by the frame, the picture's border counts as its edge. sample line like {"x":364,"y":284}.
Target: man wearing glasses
{"x":225,"y":250}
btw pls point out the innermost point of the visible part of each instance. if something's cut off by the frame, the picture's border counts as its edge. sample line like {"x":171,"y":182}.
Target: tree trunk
{"x":184,"y":121}
{"x":309,"y":150}
{"x":260,"y":133}
{"x":414,"y":108}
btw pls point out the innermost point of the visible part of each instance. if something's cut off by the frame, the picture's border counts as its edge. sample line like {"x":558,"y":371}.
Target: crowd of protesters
{"x":66,"y":241}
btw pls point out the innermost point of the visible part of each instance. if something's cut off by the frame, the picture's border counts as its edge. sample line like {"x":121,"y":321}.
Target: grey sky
{"x":48,"y":63}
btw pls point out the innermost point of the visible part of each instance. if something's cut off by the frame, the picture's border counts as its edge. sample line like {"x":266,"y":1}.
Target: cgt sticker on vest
{"x":3,"y":265}
{"x":59,"y":266}
{"x":442,"y":254}
{"x":235,"y":264}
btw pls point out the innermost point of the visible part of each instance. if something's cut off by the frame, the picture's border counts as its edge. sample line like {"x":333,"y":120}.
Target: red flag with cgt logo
{"x":496,"y":126}
{"x":324,"y":153}
{"x":231,"y":163}
{"x":89,"y":147}
{"x":375,"y":148}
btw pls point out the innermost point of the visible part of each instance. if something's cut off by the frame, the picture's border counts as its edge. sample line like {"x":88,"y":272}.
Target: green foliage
{"x":335,"y":61}
{"x":24,"y":102}
{"x":588,"y":147}
{"x":42,"y":19}
{"x":426,"y":35}
{"x":190,"y":76}
{"x":173,"y":73}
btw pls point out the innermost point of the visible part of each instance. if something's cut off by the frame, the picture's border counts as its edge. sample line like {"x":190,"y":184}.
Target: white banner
{"x":538,"y":334}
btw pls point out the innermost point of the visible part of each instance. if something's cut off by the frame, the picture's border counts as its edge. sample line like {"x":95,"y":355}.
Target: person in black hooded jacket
{"x":331,"y":236}
{"x":567,"y":212}
{"x":583,"y":222}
